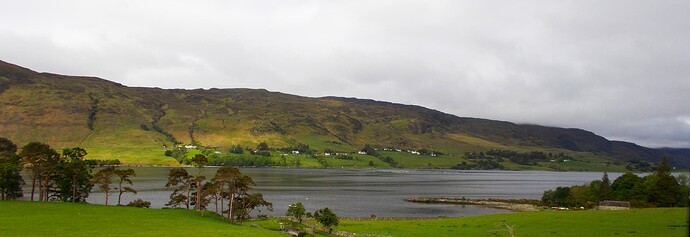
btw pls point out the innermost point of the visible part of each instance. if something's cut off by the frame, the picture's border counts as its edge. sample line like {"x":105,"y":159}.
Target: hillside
{"x":137,"y":125}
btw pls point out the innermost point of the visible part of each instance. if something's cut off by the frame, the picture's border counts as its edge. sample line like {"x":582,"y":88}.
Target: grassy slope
{"x":65,"y":219}
{"x":55,"y":109}
{"x":638,"y":222}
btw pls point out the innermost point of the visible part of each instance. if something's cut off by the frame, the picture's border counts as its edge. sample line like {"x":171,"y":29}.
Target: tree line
{"x":64,"y":177}
{"x":659,"y":189}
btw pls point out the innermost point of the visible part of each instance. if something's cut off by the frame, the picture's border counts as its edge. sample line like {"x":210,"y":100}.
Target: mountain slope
{"x":112,"y":120}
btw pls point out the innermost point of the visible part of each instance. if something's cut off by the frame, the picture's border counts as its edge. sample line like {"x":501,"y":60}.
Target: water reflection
{"x":362,"y":193}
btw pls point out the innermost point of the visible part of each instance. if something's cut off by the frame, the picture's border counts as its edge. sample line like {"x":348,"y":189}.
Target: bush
{"x":139,"y":203}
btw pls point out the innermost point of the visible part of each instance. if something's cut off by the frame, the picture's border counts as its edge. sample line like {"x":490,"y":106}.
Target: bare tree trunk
{"x":231,"y":212}
{"x":187,"y":189}
{"x":198,"y":195}
{"x":119,"y":197}
{"x":216,"y":203}
{"x":106,"y":197}
{"x":33,"y":186}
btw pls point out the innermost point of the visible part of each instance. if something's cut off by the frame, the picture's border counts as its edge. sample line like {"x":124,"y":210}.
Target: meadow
{"x":67,"y":219}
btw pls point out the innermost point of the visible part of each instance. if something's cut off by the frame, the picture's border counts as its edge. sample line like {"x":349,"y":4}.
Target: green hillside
{"x":137,"y":125}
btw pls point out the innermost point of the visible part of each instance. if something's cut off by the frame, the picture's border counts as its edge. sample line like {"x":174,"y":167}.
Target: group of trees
{"x":227,"y":186}
{"x":61,"y":177}
{"x":324,"y":216}
{"x":659,"y":189}
{"x":55,"y":176}
{"x":104,"y":178}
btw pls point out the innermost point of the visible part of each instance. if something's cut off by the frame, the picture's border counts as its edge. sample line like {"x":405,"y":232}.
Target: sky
{"x":618,"y":68}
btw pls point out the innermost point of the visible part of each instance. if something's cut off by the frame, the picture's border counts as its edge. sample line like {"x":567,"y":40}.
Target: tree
{"x":236,"y":149}
{"x":139,"y":203}
{"x":370,"y":150}
{"x":327,"y":218}
{"x":211,"y":190}
{"x":42,"y":162}
{"x":296,"y":210}
{"x":182,"y":182}
{"x":248,"y":202}
{"x":104,"y":178}
{"x":622,"y":187}
{"x":10,"y":168}
{"x":263,"y":146}
{"x":124,"y":178}
{"x":7,"y":148}
{"x":666,"y":190}
{"x":199,"y":161}
{"x":605,"y":188}
{"x":74,"y":176}
{"x":233,"y":184}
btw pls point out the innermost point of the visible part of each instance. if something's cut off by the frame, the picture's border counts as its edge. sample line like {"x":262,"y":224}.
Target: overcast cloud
{"x":618,"y":68}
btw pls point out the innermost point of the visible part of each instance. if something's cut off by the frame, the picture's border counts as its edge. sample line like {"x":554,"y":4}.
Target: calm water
{"x":362,"y":193}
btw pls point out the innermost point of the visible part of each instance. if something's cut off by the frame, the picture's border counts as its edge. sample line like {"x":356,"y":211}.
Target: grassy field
{"x":638,"y":222}
{"x":65,"y":219}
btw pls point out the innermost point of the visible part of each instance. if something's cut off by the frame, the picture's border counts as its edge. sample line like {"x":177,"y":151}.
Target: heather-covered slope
{"x":112,"y":121}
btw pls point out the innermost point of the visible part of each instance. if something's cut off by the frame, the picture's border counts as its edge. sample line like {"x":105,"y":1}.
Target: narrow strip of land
{"x":507,"y":204}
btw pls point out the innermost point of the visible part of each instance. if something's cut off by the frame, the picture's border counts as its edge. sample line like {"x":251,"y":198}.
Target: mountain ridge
{"x":94,"y":112}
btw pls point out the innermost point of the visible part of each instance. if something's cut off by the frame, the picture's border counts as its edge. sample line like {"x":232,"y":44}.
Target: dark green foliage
{"x":558,"y":197}
{"x":665,"y":191}
{"x":104,"y":177}
{"x":297,"y":211}
{"x":344,"y":157}
{"x":638,"y":165}
{"x":182,"y":184}
{"x":73,"y":178}
{"x":482,"y":164}
{"x":527,"y":158}
{"x":261,"y":153}
{"x":180,"y":154}
{"x":42,"y":162}
{"x":604,"y":188}
{"x":7,"y":148}
{"x":234,"y":186}
{"x":326,"y":217}
{"x":144,"y":127}
{"x":247,"y":202}
{"x":660,"y":189}
{"x":139,"y":203}
{"x":103,"y":162}
{"x":622,"y":188}
{"x":301,"y":148}
{"x":169,"y":136}
{"x":388,"y":160}
{"x":322,"y":161}
{"x":91,"y":118}
{"x":263,"y":146}
{"x":242,"y":161}
{"x":371,"y":151}
{"x":11,"y":180}
{"x":168,"y":153}
{"x":236,"y":149}
{"x":124,"y":176}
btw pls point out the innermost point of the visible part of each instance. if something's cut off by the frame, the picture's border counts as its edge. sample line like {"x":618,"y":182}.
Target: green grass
{"x":637,"y":222}
{"x":66,"y":219}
